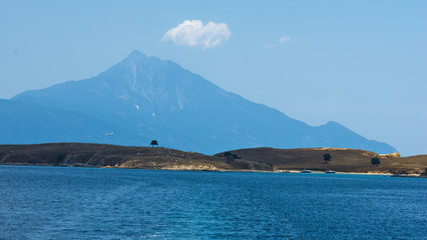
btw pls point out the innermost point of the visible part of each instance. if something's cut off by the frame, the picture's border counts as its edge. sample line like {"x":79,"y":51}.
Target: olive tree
{"x":327,"y":157}
{"x":375,"y":161}
{"x":154,"y":143}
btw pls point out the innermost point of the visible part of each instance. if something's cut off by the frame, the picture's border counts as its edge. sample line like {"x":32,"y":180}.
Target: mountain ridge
{"x":157,"y":99}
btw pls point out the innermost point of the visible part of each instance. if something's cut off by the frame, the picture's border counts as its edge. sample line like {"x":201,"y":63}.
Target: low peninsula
{"x":252,"y":159}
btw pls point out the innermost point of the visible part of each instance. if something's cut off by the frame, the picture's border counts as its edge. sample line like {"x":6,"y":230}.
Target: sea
{"x":39,"y":202}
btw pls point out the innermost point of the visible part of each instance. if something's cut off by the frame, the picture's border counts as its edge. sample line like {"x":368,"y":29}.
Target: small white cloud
{"x":285,"y":39}
{"x":194,"y":33}
{"x":282,"y":40}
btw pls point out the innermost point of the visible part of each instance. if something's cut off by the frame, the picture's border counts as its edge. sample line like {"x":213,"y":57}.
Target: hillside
{"x":257,"y":159}
{"x":343,"y":160}
{"x":143,"y":98}
{"x":100,"y":155}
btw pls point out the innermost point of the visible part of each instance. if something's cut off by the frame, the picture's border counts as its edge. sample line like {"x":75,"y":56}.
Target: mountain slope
{"x":150,"y":98}
{"x":25,"y":123}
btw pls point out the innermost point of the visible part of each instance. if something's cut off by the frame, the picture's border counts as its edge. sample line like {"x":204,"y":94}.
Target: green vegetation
{"x":154,"y":143}
{"x":375,"y":161}
{"x":61,"y":157}
{"x":326,"y":157}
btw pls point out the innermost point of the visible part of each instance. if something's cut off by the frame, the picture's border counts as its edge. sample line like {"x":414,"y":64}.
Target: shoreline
{"x":219,"y":170}
{"x":271,"y":160}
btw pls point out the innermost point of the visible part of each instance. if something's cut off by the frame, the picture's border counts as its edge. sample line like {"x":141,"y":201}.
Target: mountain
{"x":144,"y":98}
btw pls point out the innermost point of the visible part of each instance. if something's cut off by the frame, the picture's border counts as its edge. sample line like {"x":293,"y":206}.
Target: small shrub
{"x":326,"y":157}
{"x":375,"y":161}
{"x":61,"y":157}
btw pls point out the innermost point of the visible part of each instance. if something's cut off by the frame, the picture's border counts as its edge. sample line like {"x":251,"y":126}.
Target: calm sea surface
{"x":90,"y":203}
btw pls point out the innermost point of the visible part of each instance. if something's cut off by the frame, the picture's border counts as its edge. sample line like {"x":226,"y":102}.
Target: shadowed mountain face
{"x":144,"y":98}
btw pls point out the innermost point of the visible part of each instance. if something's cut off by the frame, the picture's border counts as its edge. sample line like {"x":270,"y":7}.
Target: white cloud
{"x":194,"y":33}
{"x":285,"y":39}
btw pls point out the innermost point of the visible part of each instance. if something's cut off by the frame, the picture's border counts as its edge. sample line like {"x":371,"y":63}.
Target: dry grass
{"x":265,"y":159}
{"x":101,"y":155}
{"x":344,"y":160}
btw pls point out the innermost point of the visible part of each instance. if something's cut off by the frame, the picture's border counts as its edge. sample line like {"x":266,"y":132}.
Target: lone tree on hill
{"x":154,"y":143}
{"x":375,"y":161}
{"x":326,"y":157}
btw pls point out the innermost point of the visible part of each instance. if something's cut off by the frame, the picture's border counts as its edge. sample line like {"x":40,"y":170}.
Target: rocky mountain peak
{"x":136,"y":55}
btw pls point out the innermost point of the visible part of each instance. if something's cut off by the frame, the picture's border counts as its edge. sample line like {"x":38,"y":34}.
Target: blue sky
{"x":360,"y":63}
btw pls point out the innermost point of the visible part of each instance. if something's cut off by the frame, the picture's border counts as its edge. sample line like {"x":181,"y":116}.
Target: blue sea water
{"x":91,"y":203}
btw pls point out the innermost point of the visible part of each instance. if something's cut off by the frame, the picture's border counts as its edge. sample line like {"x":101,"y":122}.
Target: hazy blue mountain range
{"x":144,"y":98}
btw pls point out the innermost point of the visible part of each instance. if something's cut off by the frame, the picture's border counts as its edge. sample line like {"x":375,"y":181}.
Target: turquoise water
{"x":90,"y":203}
